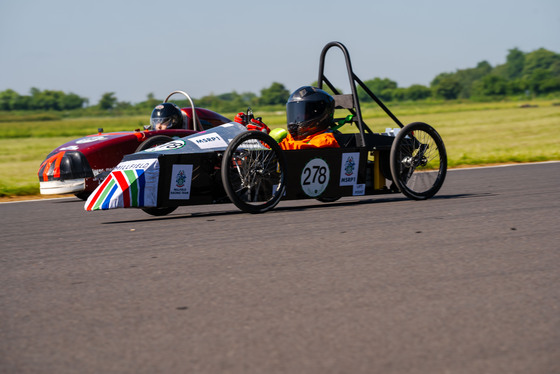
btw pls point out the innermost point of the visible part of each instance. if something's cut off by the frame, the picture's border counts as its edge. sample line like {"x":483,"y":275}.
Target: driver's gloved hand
{"x":256,"y":124}
{"x":241,"y":118}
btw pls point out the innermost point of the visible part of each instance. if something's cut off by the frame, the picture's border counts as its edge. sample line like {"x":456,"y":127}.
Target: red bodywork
{"x":79,"y":166}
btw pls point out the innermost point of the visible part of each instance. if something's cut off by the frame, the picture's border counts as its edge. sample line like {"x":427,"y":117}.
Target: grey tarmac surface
{"x":467,"y":282}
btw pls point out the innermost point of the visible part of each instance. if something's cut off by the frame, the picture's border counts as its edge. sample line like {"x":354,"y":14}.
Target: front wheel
{"x":159,"y":211}
{"x":254,"y":172}
{"x":418,"y":161}
{"x":152,"y":142}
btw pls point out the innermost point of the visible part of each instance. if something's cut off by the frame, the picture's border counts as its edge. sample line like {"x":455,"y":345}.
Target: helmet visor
{"x":160,"y":123}
{"x":301,"y":111}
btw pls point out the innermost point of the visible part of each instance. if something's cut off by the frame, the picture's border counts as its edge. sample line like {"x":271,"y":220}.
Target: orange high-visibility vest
{"x":323,"y":140}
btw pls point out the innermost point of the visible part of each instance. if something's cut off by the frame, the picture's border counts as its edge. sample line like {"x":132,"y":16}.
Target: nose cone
{"x":63,"y":172}
{"x":64,"y":165}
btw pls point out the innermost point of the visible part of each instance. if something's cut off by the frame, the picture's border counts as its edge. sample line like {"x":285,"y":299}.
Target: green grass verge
{"x":474,"y":134}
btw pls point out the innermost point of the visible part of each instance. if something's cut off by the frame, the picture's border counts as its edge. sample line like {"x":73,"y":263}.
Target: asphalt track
{"x":467,"y":282}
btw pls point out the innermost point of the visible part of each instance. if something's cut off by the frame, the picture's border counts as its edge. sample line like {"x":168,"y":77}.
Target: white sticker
{"x":315,"y":177}
{"x":208,"y":141}
{"x":359,"y":189}
{"x":90,"y":139}
{"x":70,"y":148}
{"x":180,"y":187}
{"x":349,"y":169}
{"x":175,"y":144}
{"x":136,"y":164}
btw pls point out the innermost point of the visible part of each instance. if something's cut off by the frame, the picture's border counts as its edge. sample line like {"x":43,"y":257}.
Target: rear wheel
{"x":254,"y":172}
{"x":152,"y":142}
{"x":418,"y":161}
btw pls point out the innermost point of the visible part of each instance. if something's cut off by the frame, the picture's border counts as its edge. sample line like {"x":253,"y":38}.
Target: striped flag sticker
{"x":132,"y":184}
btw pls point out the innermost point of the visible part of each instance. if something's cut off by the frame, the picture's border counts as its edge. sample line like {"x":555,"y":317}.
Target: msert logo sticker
{"x":349,"y":169}
{"x":315,"y":177}
{"x":206,"y":141}
{"x":180,"y":187}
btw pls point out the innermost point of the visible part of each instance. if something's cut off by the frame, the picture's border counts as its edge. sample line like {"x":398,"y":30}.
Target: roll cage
{"x":366,"y":137}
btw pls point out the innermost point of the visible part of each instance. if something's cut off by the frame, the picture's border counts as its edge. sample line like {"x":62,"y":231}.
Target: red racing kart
{"x":79,"y":166}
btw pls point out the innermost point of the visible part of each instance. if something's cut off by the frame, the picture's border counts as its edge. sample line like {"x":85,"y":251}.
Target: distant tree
{"x":394,"y":94}
{"x":275,"y":94}
{"x":151,"y":100}
{"x":418,"y":92}
{"x":107,"y":101}
{"x":47,"y":99}
{"x":381,"y":87}
{"x":21,"y":103}
{"x":447,"y":87}
{"x":7,"y":98}
{"x":466,"y":77}
{"x":490,"y":86}
{"x":515,"y":62}
{"x":540,"y":81}
{"x":123,"y":105}
{"x":249,"y":98}
{"x":72,"y":101}
{"x":539,"y":59}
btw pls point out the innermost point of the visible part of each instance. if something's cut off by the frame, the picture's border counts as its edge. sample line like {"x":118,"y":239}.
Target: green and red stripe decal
{"x":131,"y":184}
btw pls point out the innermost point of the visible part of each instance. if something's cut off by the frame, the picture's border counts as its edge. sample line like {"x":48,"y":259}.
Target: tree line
{"x":530,"y":74}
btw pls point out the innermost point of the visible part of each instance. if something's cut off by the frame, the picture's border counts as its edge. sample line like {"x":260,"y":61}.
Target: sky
{"x":134,"y":48}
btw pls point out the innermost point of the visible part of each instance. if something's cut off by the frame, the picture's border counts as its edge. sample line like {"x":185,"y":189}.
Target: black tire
{"x":418,"y":161}
{"x":82,"y":195}
{"x":254,"y":172}
{"x":328,"y":199}
{"x":152,"y":142}
{"x":159,"y":211}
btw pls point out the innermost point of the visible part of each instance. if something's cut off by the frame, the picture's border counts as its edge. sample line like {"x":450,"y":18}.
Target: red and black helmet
{"x":167,"y":114}
{"x":309,"y":110}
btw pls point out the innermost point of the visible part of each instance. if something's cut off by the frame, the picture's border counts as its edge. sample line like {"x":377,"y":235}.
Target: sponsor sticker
{"x":206,"y":141}
{"x":136,"y":164}
{"x":180,"y":187}
{"x":70,"y":148}
{"x":90,"y":139}
{"x":349,"y":169}
{"x":359,"y":190}
{"x":175,"y":144}
{"x":315,"y":177}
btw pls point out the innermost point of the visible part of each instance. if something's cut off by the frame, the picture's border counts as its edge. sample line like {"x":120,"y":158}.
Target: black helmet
{"x":167,"y":114}
{"x":309,"y":110}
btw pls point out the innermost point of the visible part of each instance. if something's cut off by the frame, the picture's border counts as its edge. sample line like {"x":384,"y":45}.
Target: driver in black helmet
{"x":310,"y":113}
{"x":167,"y":116}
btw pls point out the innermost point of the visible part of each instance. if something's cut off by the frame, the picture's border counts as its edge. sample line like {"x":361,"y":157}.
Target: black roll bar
{"x":356,"y":110}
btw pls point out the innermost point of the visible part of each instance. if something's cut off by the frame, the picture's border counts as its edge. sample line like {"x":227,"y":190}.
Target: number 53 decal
{"x":315,"y":177}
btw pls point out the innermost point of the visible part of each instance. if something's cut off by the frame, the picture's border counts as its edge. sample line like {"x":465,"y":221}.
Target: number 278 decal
{"x":315,"y":177}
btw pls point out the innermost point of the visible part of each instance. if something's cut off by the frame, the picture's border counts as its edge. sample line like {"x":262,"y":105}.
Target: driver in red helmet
{"x":167,"y":116}
{"x":309,"y":113}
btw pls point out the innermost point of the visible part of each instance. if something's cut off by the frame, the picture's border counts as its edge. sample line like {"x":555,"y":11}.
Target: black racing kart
{"x":229,"y":163}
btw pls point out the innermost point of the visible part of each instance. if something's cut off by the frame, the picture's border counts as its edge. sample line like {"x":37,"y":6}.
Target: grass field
{"x":474,"y":134}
